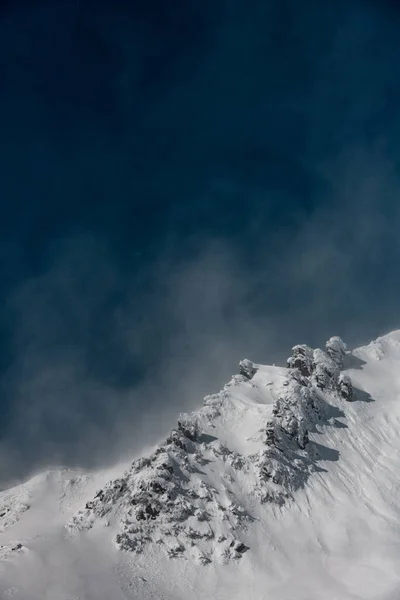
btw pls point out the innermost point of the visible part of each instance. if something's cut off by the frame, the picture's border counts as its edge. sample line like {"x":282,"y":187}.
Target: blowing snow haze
{"x":184,"y":184}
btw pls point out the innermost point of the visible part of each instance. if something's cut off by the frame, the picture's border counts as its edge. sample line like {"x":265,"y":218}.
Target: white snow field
{"x":284,"y":486}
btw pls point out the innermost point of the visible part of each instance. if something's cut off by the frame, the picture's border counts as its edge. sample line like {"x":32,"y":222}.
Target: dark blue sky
{"x":182,"y":184}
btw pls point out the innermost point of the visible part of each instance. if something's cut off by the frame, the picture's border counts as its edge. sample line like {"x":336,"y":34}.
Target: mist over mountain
{"x":183,"y":185}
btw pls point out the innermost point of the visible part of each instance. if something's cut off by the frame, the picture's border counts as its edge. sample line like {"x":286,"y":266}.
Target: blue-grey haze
{"x":183,"y":184}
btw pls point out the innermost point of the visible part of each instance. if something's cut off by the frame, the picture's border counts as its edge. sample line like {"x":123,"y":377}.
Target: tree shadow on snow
{"x":362,"y":396}
{"x":319,"y":452}
{"x":339,"y":424}
{"x":331,"y":411}
{"x":353,"y":362}
{"x":329,"y":416}
{"x":205,"y":438}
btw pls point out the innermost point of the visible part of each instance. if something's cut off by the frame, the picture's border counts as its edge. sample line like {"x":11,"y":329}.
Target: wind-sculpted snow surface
{"x":283,"y":485}
{"x":249,"y":444}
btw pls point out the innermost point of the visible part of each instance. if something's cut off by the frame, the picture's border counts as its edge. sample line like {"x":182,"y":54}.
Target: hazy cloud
{"x":174,"y":202}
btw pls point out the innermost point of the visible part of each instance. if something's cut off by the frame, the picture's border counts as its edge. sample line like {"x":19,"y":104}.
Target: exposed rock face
{"x":285,"y":462}
{"x":175,"y":499}
{"x":301,"y":359}
{"x":336,"y":349}
{"x":324,"y":367}
{"x":346,"y":388}
{"x":188,"y":428}
{"x":325,"y":371}
{"x":247,"y":368}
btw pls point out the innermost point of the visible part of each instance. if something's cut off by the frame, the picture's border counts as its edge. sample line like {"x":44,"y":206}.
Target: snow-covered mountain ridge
{"x":248,"y":445}
{"x":283,"y":485}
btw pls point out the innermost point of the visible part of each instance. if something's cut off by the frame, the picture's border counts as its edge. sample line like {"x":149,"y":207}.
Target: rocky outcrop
{"x":326,"y":372}
{"x":285,"y":461}
{"x":301,"y":359}
{"x":346,"y":388}
{"x":322,"y":366}
{"x":285,"y":464}
{"x":169,"y":500}
{"x":336,"y":349}
{"x":247,"y":368}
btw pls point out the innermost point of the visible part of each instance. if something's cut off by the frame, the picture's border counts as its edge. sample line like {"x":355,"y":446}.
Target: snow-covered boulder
{"x":326,"y":371}
{"x":247,"y":368}
{"x":188,"y":427}
{"x":346,"y":387}
{"x":336,"y":349}
{"x":301,"y":359}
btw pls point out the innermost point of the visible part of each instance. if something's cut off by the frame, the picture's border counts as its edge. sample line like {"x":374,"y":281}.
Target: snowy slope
{"x":284,"y":485}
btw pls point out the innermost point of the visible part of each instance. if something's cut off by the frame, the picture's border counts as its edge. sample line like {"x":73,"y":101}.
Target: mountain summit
{"x":283,"y":485}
